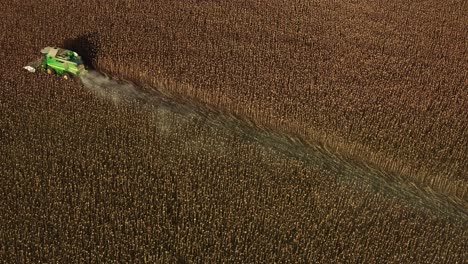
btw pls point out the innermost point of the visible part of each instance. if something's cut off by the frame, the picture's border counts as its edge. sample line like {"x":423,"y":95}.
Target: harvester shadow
{"x":87,"y":45}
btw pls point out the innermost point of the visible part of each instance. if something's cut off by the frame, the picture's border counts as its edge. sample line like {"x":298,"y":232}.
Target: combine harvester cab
{"x":61,"y":61}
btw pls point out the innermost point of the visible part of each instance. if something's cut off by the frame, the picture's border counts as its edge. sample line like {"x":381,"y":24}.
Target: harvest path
{"x":316,"y":154}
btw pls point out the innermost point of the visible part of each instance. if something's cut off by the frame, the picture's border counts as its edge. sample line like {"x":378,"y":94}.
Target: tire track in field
{"x":314,"y":153}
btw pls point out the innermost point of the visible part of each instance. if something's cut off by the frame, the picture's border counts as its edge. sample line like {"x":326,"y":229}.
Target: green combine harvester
{"x":60,"y":61}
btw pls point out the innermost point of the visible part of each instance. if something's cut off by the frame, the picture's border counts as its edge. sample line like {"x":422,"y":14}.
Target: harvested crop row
{"x":88,"y":180}
{"x":379,"y":82}
{"x":385,"y":84}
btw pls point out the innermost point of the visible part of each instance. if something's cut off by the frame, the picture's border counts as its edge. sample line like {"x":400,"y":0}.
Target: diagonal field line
{"x":312,"y":153}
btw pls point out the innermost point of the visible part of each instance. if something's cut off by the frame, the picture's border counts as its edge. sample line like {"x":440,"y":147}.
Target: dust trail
{"x":113,"y":88}
{"x":119,"y":90}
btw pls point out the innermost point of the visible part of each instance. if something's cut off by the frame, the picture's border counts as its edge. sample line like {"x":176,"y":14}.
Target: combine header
{"x":60,"y":61}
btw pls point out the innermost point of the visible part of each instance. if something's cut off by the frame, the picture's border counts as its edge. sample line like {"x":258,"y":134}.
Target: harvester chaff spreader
{"x":63,"y":62}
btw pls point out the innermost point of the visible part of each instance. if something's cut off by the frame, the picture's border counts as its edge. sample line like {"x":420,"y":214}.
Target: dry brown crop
{"x":378,"y":83}
{"x":86,"y":180}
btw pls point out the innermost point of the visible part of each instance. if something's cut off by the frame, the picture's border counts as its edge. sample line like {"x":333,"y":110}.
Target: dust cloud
{"x":108,"y":87}
{"x":120,"y":91}
{"x":169,"y":112}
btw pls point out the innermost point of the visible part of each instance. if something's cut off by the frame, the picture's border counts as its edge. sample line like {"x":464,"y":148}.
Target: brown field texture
{"x":85,"y":179}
